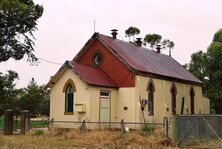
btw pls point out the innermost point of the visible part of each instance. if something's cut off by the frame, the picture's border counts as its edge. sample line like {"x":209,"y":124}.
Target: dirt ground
{"x":96,"y":139}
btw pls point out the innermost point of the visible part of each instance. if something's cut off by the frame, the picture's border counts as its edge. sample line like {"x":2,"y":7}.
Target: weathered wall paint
{"x":57,"y":98}
{"x":162,"y":99}
{"x":120,"y":98}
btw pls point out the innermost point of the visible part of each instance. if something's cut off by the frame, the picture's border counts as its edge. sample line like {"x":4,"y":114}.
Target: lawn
{"x":39,"y":124}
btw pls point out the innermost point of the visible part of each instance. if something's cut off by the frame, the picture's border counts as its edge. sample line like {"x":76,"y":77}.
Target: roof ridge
{"x":148,"y":61}
{"x":142,"y":48}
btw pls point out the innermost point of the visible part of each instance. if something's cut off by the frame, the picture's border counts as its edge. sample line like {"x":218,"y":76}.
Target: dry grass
{"x":58,"y":138}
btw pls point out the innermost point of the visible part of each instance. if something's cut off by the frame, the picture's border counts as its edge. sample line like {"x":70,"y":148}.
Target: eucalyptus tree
{"x":131,"y":32}
{"x":18,"y":21}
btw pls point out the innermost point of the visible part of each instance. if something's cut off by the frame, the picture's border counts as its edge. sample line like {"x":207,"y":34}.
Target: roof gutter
{"x":168,"y":78}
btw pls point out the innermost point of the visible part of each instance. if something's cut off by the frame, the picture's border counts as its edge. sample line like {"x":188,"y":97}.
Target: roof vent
{"x":158,"y":48}
{"x":114,"y":33}
{"x":139,"y":42}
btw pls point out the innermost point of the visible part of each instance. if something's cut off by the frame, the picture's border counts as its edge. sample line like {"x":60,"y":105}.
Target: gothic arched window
{"x":150,"y":90}
{"x":192,"y":94}
{"x":173,"y":92}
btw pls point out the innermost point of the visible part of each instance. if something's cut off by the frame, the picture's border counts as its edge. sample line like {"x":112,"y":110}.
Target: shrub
{"x":39,"y":133}
{"x":147,"y":129}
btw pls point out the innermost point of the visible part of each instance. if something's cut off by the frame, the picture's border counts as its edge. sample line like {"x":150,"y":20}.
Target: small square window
{"x":105,"y":94}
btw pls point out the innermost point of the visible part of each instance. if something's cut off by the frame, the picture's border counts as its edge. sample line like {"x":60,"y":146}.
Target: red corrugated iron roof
{"x":147,"y":61}
{"x":92,"y":75}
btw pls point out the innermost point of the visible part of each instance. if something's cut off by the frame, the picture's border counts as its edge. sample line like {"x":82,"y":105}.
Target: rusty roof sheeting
{"x":92,"y":75}
{"x":147,"y":61}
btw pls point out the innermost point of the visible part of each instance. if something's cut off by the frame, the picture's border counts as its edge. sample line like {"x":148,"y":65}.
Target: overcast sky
{"x":66,"y":25}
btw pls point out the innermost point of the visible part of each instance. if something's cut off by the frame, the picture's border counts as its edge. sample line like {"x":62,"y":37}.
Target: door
{"x":104,"y":109}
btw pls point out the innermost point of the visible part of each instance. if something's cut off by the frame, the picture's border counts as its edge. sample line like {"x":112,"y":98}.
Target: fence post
{"x":83,"y":126}
{"x":8,"y":122}
{"x":123,"y":129}
{"x":24,"y":121}
{"x":52,"y":123}
{"x":165,"y":126}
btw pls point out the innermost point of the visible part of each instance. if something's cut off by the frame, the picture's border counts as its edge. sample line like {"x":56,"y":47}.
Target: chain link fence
{"x":12,"y":123}
{"x":192,"y":127}
{"x":122,"y":125}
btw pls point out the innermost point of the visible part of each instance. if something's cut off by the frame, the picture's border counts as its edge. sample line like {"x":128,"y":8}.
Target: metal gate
{"x":190,"y":127}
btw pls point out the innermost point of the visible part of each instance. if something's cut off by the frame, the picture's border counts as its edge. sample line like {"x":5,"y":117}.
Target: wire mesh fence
{"x":83,"y":125}
{"x":12,"y":123}
{"x":190,"y":127}
{"x":121,"y":125}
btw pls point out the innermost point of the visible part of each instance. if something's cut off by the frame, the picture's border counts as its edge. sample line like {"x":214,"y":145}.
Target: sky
{"x":66,"y":25}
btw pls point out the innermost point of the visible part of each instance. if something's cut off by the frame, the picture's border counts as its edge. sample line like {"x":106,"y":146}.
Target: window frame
{"x":65,"y":91}
{"x":173,"y":92}
{"x":150,"y":90}
{"x":192,"y":101}
{"x":94,"y":57}
{"x":106,"y":91}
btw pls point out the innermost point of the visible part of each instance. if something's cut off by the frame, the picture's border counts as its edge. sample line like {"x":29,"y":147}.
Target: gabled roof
{"x":147,"y":61}
{"x":92,"y":75}
{"x":86,"y":73}
{"x":138,"y":59}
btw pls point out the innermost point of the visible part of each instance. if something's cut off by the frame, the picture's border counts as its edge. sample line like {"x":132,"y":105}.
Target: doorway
{"x":104,"y":113}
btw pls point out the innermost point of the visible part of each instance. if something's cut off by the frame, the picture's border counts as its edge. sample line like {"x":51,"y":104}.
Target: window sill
{"x":68,"y":113}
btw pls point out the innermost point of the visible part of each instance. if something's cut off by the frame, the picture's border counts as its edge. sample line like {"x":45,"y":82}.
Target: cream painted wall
{"x":205,"y":108}
{"x":126,"y":98}
{"x":85,"y":94}
{"x":94,"y":93}
{"x":162,"y":98}
{"x":120,"y":98}
{"x":57,"y":102}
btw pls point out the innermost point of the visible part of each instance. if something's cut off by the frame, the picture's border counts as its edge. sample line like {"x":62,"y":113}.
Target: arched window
{"x":69,"y":89}
{"x":173,"y":92}
{"x":150,"y":90}
{"x":69,"y":99}
{"x":192,"y":94}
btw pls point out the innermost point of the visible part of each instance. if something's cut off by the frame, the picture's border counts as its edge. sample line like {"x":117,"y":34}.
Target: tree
{"x":152,"y":39}
{"x":166,"y":43}
{"x":18,"y":21}
{"x":197,"y":66}
{"x":208,"y":68}
{"x":35,"y":99}
{"x":131,"y":32}
{"x":8,"y":93}
{"x":214,"y":70}
{"x":218,"y":36}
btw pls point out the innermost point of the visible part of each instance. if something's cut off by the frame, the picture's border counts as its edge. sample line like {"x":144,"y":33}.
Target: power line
{"x":48,"y":61}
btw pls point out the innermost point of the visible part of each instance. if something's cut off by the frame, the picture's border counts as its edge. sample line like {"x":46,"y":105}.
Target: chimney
{"x":158,"y":48}
{"x":139,"y":42}
{"x":114,"y":33}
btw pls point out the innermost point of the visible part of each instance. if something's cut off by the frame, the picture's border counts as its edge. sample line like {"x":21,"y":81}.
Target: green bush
{"x":1,"y":123}
{"x":147,"y":129}
{"x":38,"y":133}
